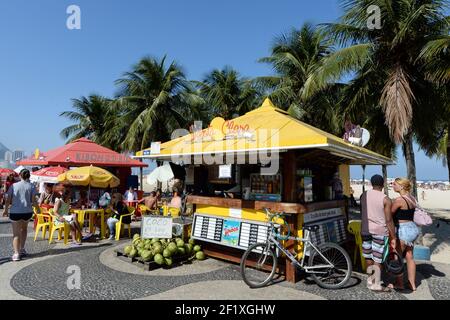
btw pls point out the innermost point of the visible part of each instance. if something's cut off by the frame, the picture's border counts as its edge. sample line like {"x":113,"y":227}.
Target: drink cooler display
{"x":265,"y":187}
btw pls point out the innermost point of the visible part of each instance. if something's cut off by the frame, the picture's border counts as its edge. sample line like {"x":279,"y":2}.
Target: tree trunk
{"x":408,"y":152}
{"x":385,"y":177}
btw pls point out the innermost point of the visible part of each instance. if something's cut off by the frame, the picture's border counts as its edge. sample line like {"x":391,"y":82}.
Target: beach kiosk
{"x":264,"y":159}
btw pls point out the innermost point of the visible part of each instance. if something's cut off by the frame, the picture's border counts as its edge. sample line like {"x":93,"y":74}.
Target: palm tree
{"x":90,"y":116}
{"x":155,"y":99}
{"x":227,"y":93}
{"x":386,"y":61}
{"x":436,"y":56}
{"x":295,"y":56}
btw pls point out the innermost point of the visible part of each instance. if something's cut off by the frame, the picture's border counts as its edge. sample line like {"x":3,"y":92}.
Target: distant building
{"x":6,"y":164}
{"x":8,"y":156}
{"x":18,"y":155}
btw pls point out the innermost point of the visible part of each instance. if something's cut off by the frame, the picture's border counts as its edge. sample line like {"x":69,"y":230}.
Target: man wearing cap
{"x":377,"y":226}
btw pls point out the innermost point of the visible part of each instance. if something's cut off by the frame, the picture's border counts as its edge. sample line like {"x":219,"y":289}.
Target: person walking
{"x":377,"y":227}
{"x":403,"y":210}
{"x":21,"y":196}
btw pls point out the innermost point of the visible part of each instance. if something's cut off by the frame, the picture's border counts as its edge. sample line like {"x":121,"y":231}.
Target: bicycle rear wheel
{"x":328,"y":277}
{"x":257,"y":259}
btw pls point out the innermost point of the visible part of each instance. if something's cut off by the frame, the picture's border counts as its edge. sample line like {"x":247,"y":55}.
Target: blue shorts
{"x":408,"y":233}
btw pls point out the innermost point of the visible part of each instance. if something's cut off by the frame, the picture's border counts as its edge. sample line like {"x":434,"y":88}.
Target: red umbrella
{"x":4,"y":173}
{"x":48,"y":174}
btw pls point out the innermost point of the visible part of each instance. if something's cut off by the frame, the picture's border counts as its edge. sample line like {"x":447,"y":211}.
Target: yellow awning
{"x":264,"y":129}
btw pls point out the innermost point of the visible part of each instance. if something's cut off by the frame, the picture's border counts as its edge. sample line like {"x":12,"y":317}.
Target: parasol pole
{"x":364,"y":178}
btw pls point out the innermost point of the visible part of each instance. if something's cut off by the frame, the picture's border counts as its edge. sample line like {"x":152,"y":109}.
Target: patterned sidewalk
{"x":42,"y":275}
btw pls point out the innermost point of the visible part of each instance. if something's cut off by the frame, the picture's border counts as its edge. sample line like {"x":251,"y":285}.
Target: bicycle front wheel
{"x":333,"y":276}
{"x":258,"y":265}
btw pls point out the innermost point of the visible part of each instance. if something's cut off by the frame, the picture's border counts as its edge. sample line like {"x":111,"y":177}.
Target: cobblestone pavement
{"x":46,"y":278}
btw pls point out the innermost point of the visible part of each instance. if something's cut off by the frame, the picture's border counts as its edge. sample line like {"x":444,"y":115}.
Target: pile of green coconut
{"x":162,"y":251}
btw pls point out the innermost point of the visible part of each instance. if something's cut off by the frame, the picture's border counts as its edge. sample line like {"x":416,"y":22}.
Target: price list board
{"x":252,"y":233}
{"x":208,"y":228}
{"x":329,"y":231}
{"x":231,"y":232}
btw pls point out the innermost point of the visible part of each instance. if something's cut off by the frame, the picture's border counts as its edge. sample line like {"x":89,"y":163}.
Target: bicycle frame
{"x":272,"y":240}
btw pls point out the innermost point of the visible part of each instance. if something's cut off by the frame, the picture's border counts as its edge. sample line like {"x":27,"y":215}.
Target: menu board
{"x":232,"y":232}
{"x":252,"y":233}
{"x":208,"y":228}
{"x":330,"y":231}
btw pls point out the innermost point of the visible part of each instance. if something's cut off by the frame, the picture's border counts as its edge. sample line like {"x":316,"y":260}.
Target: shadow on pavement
{"x":428,"y":270}
{"x":55,"y":252}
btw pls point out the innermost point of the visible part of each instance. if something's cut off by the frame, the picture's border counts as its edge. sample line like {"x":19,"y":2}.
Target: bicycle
{"x":328,"y":263}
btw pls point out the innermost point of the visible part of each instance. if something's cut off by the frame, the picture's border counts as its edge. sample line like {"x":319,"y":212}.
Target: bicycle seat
{"x":312,"y":228}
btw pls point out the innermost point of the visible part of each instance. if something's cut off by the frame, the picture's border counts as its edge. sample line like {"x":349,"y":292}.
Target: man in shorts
{"x":377,"y":227}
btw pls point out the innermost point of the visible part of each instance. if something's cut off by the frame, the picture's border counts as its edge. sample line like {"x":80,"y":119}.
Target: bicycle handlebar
{"x":271,"y":215}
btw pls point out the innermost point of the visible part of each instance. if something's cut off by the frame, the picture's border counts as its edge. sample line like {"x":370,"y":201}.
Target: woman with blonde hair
{"x":403,"y":209}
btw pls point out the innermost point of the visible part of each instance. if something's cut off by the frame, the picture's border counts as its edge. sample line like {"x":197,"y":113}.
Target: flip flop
{"x":381,"y":289}
{"x":75,"y":244}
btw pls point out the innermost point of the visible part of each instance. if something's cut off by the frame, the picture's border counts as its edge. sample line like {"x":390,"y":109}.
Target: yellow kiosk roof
{"x":266,"y":128}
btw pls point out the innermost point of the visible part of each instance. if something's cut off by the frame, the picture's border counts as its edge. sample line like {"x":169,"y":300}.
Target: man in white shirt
{"x":131,"y":195}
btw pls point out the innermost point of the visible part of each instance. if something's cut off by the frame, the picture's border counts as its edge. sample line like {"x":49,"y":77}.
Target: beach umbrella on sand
{"x":47,"y":175}
{"x":89,"y":176}
{"x":163,"y":173}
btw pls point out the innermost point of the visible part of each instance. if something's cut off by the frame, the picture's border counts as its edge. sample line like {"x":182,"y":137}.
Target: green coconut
{"x":172,"y":247}
{"x":181,"y":251}
{"x":188,"y":248}
{"x":147,"y":255}
{"x":168,"y":261}
{"x":159,"y":259}
{"x":200,"y":255}
{"x":180,"y":243}
{"x":133,"y":253}
{"x":191,"y":241}
{"x":127,"y":250}
{"x":157,"y":243}
{"x":157,"y":249}
{"x":167,"y":253}
{"x":197,"y":248}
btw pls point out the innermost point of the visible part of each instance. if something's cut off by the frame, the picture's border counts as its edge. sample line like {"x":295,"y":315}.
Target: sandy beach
{"x":436,"y":236}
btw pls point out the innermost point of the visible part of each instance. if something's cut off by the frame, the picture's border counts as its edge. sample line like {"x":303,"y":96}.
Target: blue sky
{"x":43,"y":64}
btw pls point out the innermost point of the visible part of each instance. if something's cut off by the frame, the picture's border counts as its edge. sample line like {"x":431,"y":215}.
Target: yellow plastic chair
{"x":354,"y":227}
{"x":65,"y":227}
{"x":108,"y":213}
{"x":43,"y":222}
{"x":144,"y":209}
{"x":119,"y":224}
{"x":173,"y":212}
